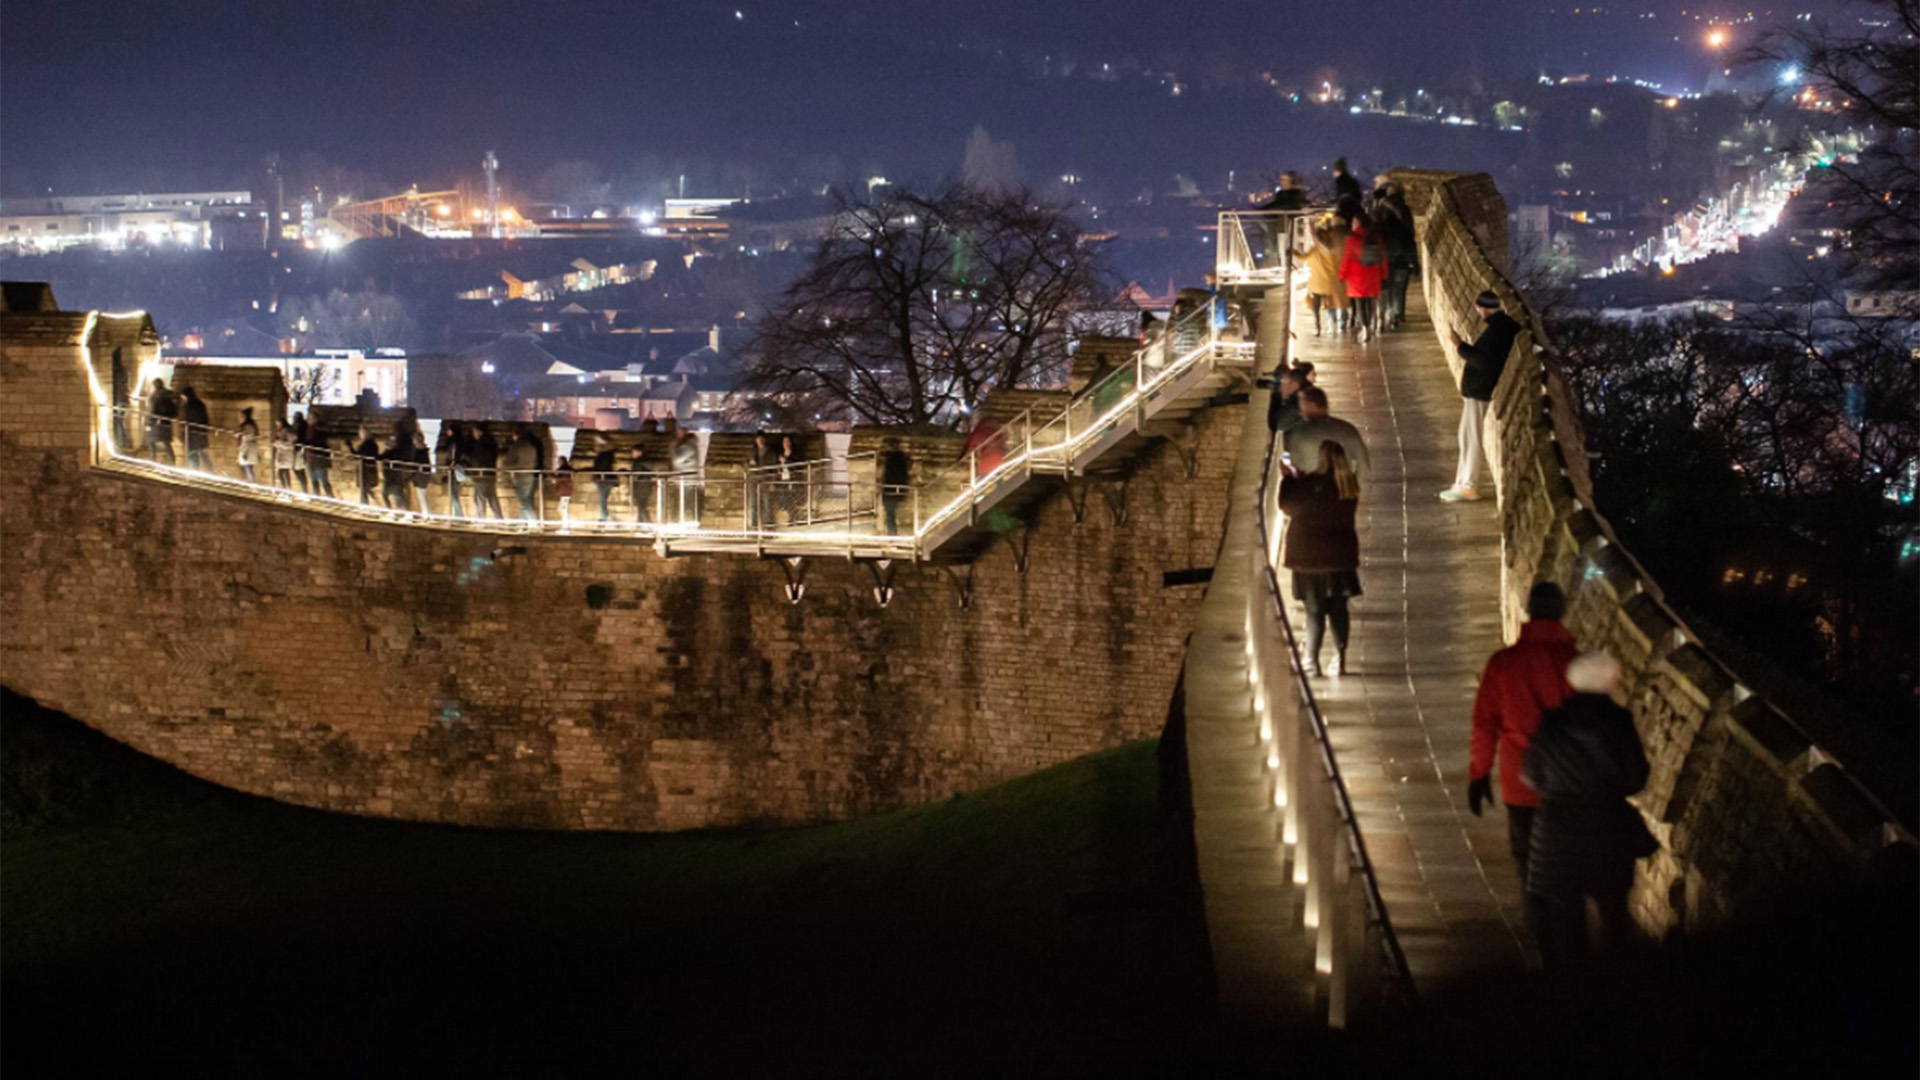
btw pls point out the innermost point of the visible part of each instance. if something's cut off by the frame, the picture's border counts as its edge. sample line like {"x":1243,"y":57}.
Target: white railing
{"x":802,"y":508}
{"x":1253,"y":245}
{"x":1356,"y":956}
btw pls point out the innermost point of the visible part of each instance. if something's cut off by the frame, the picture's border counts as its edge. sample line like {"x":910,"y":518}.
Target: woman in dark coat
{"x":1323,"y":551}
{"x":1584,"y":761}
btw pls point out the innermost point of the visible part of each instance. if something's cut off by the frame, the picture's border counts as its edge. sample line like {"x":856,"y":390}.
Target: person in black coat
{"x":896,"y":474}
{"x":163,"y":408}
{"x":1484,"y":359}
{"x":1323,"y":550}
{"x":368,"y":451}
{"x":194,"y":418}
{"x":483,"y":457}
{"x":1346,"y":190}
{"x":1585,"y":761}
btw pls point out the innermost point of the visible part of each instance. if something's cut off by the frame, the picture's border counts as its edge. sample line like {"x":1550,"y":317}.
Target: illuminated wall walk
{"x":571,"y":682}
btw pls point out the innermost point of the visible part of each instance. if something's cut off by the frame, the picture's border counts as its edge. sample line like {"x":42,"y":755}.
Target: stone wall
{"x":1750,"y":813}
{"x":571,"y":682}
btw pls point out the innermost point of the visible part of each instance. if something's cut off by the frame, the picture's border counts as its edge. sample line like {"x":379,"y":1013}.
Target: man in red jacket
{"x":1521,"y":682}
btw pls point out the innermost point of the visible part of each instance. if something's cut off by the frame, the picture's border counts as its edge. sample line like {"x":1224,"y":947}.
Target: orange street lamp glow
{"x":1717,"y":38}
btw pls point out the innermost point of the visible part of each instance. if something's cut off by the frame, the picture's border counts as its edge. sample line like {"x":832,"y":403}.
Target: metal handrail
{"x":1235,"y":260}
{"x":1395,"y":956}
{"x":1030,"y":442}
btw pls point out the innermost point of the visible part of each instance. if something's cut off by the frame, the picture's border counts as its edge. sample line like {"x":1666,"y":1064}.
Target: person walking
{"x":1521,"y":682}
{"x":896,"y":476}
{"x":1585,"y":761}
{"x":1323,"y":550}
{"x":1484,"y":359}
{"x":163,"y":408}
{"x":1363,"y":266}
{"x":247,"y":445}
{"x":1283,"y":402}
{"x":1394,"y":226}
{"x":193,"y":416}
{"x":1302,"y":444}
{"x":1326,"y":293}
{"x":420,"y":464}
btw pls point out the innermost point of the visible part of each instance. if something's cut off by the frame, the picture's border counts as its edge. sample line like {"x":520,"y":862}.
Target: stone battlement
{"x":573,"y":681}
{"x":1750,"y":812}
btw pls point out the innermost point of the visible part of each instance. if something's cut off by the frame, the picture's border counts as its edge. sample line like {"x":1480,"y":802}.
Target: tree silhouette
{"x":916,"y":305}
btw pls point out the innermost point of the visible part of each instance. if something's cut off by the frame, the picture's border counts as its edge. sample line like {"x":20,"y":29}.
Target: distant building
{"x":327,"y":376}
{"x":54,"y":223}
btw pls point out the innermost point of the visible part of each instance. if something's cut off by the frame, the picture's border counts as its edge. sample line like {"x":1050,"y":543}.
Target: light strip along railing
{"x":672,"y":508}
{"x":457,"y":495}
{"x":1342,"y":898}
{"x":1026,"y":445}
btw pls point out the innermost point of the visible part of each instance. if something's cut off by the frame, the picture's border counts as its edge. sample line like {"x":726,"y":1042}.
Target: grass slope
{"x":1052,"y":918}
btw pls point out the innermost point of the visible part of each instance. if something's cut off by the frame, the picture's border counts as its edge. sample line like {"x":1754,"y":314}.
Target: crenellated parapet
{"x":1750,"y":811}
{"x":394,"y":664}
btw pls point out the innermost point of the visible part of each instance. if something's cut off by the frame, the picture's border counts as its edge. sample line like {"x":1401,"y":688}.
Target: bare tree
{"x":1871,"y":74}
{"x":915,"y":306}
{"x":310,"y":384}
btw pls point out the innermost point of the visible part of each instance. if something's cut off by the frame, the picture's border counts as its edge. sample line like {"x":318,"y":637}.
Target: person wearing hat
{"x":1585,"y":760}
{"x":1485,"y":357}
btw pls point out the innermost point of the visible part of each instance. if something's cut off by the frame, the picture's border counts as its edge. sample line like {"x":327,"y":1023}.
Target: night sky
{"x":131,"y":95}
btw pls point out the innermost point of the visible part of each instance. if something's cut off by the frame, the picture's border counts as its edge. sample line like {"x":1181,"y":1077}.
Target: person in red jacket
{"x":1363,"y":267}
{"x":1521,"y":682}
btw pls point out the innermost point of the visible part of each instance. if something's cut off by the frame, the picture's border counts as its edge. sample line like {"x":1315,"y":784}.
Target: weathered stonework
{"x":568,"y":682}
{"x":1751,"y":815}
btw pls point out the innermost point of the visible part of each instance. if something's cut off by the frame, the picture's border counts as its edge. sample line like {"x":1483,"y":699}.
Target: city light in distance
{"x":1716,"y":38}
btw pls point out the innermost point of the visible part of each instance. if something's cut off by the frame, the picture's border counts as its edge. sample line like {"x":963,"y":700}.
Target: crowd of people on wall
{"x":1567,"y":752}
{"x":394,"y":469}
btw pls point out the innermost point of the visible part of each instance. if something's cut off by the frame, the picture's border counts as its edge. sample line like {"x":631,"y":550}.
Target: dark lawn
{"x":152,"y":918}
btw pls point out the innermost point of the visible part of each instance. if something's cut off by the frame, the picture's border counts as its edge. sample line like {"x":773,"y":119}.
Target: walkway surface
{"x":1399,"y":722}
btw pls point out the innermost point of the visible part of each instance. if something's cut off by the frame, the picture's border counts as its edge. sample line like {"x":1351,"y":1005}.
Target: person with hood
{"x":1520,"y":683}
{"x":1485,"y":358}
{"x":1363,"y":266}
{"x":1585,"y":761}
